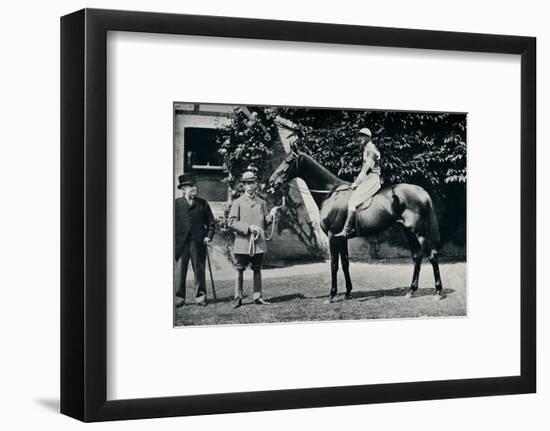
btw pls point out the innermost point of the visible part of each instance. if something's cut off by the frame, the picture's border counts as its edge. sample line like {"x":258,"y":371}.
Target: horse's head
{"x":287,"y":170}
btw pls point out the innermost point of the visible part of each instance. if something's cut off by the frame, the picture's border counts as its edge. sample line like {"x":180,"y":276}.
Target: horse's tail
{"x":409,"y":196}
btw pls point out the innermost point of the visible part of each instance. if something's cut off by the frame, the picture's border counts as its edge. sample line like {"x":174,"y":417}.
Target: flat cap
{"x":248,"y":176}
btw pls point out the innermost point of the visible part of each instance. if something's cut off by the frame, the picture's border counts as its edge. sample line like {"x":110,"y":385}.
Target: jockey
{"x":367,"y":182}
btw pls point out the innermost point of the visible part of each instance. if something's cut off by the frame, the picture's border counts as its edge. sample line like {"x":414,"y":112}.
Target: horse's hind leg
{"x":334,"y":253}
{"x":437,"y":276}
{"x":344,"y":257}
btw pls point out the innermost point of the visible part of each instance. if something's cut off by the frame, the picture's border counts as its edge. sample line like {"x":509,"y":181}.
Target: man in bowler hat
{"x":248,"y":218}
{"x":194,"y":229}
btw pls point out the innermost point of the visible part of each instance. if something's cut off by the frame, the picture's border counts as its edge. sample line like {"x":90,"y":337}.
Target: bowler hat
{"x":248,"y":176}
{"x":186,"y":180}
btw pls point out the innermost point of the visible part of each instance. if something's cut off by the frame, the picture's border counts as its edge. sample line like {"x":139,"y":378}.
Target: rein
{"x":254,"y":237}
{"x":252,"y":243}
{"x":317,"y":190}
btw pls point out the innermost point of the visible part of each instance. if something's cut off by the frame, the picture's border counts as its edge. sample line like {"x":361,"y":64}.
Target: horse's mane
{"x":322,"y":171}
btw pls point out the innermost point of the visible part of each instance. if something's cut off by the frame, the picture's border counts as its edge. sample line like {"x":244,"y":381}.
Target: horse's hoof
{"x":330,"y":300}
{"x":347,"y":296}
{"x":410,"y":295}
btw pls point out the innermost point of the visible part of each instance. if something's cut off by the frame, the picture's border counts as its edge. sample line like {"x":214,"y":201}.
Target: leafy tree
{"x":246,"y":143}
{"x":428,"y":149}
{"x":424,"y":148}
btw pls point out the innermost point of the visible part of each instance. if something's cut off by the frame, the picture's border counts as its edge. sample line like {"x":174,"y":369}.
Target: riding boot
{"x":348,"y":230}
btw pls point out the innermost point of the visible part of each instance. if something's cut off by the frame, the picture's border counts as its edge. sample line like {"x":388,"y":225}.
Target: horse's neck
{"x":318,"y":178}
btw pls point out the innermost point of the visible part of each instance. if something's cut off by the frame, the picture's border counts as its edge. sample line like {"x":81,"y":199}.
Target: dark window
{"x":201,"y":157}
{"x":201,"y":148}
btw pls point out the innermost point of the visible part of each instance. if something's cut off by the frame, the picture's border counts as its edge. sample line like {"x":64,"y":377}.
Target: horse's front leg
{"x":334,"y":253}
{"x":344,"y":256}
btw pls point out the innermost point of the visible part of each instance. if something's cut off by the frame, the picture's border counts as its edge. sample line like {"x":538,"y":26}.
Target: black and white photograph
{"x":297,"y":214}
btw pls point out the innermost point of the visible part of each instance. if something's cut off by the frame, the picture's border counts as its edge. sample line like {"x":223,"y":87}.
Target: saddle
{"x":366,"y":204}
{"x":365,"y":193}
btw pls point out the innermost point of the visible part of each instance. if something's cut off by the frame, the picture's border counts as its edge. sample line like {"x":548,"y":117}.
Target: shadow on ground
{"x":286,"y":298}
{"x":395,"y":292}
{"x":398,"y":291}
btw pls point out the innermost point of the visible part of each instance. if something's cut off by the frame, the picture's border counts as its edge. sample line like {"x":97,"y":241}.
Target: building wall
{"x":194,"y":115}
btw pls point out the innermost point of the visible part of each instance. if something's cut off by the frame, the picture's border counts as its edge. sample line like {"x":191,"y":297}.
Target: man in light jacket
{"x":249,"y":218}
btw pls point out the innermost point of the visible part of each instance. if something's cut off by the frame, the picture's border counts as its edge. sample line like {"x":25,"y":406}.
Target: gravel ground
{"x":299,"y":293}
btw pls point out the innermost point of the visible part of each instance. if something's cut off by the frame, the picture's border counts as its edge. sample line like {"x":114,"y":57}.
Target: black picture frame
{"x":84,"y":214}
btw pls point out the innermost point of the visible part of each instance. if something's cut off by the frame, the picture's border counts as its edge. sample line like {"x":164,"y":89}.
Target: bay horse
{"x":408,"y":205}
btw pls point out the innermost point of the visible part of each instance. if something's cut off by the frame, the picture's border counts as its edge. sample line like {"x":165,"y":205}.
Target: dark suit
{"x":193,"y":223}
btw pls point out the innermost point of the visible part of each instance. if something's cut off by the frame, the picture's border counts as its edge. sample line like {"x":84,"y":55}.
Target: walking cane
{"x":210,"y":270}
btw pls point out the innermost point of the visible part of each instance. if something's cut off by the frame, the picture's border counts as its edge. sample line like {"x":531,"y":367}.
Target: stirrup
{"x":340,"y":234}
{"x":347,"y":232}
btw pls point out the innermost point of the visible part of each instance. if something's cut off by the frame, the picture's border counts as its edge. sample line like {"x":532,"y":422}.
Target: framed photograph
{"x":262,"y":215}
